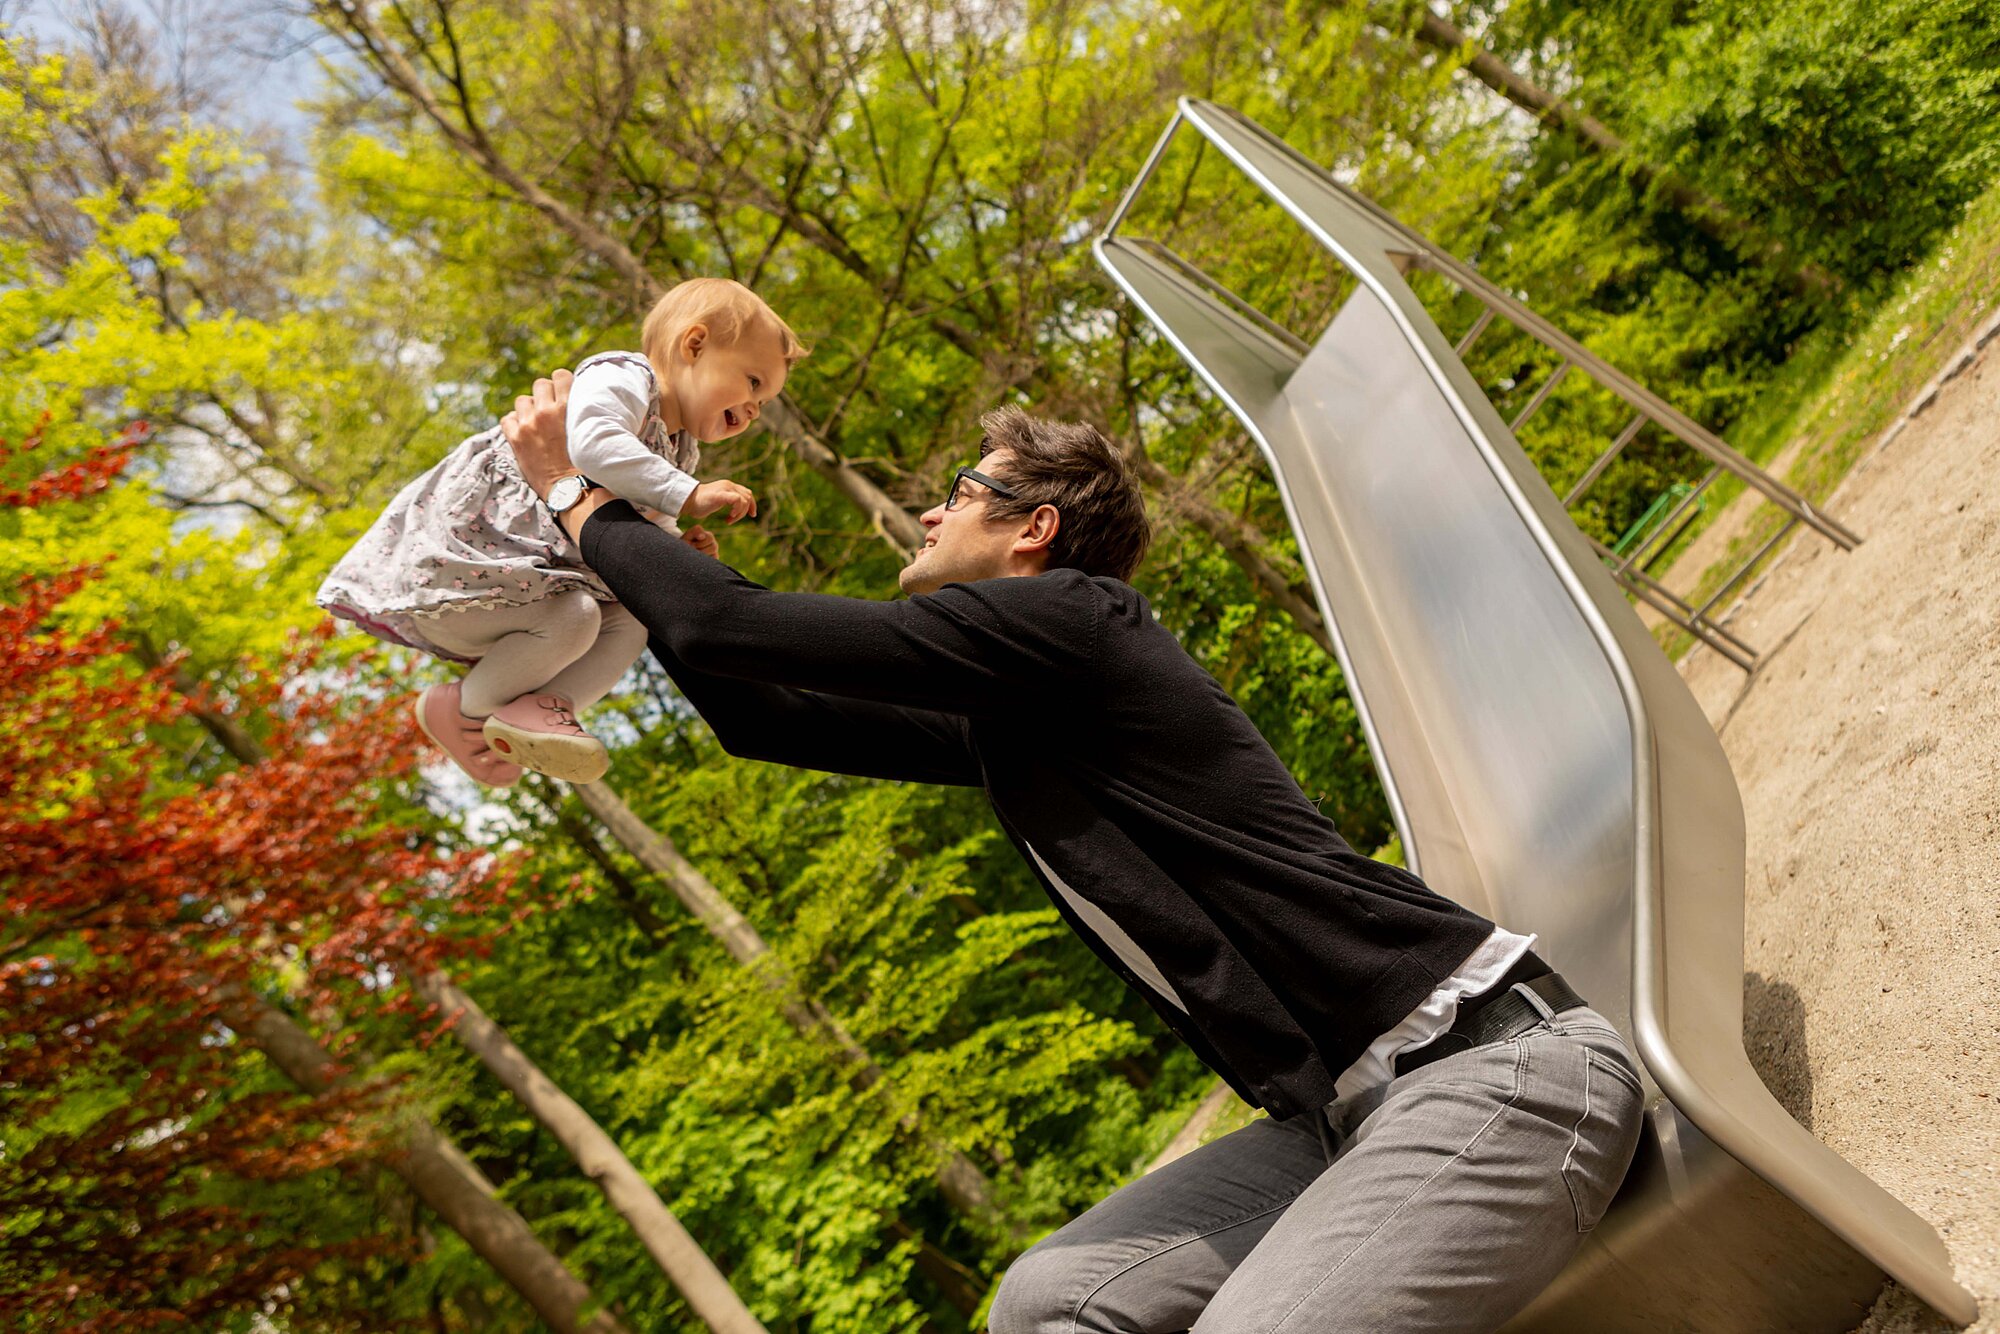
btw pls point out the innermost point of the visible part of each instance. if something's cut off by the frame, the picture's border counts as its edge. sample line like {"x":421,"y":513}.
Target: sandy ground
{"x":1866,"y":749}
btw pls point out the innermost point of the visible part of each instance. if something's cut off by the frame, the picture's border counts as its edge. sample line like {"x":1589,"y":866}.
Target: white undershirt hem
{"x":1482,"y":971}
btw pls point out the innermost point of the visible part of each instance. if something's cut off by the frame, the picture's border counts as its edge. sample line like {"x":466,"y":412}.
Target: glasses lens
{"x":957,"y":490}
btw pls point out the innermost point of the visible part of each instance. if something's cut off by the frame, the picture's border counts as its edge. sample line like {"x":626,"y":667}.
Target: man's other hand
{"x":703,"y":541}
{"x":538,"y":429}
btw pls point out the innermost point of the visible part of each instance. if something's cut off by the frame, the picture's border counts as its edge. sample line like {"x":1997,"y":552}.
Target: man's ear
{"x":1039,"y":531}
{"x":693,"y":340}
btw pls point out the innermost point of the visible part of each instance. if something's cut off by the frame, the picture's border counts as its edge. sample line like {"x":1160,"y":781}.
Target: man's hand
{"x":703,"y":541}
{"x":538,"y":429}
{"x":708,"y":497}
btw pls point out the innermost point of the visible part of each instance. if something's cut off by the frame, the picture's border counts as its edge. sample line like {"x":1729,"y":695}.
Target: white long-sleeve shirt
{"x":617,"y":438}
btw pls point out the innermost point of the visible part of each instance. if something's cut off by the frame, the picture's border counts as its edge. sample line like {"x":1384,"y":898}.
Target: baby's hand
{"x":703,"y":541}
{"x":708,"y":497}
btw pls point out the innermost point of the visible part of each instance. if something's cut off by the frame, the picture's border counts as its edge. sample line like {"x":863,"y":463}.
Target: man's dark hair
{"x":1071,"y":465}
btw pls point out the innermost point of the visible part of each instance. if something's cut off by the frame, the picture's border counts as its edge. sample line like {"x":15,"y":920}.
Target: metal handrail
{"x":1650,"y":407}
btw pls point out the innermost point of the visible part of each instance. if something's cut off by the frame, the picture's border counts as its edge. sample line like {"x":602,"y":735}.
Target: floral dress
{"x":471,"y":534}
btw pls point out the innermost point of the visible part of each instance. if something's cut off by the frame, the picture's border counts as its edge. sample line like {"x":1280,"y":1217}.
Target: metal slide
{"x":1545,"y":765}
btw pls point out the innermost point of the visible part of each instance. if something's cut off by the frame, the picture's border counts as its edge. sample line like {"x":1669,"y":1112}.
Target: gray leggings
{"x":567,"y":644}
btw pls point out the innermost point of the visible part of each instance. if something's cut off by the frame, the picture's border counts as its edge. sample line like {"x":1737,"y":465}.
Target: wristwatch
{"x":567,"y":492}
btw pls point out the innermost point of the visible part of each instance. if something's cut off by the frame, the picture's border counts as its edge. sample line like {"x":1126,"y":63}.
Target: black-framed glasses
{"x":954,"y":496}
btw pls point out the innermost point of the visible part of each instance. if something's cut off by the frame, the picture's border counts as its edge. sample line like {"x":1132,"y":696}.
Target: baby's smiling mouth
{"x":729,"y":418}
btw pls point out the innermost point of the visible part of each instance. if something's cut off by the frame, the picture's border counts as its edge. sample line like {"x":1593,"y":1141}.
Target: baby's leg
{"x":620,"y":641}
{"x":519,"y":648}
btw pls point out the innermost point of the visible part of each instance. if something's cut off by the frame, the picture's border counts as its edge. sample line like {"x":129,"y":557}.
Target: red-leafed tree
{"x":139,"y":909}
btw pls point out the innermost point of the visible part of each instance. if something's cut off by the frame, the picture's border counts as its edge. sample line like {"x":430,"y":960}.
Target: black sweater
{"x":1102,"y":745}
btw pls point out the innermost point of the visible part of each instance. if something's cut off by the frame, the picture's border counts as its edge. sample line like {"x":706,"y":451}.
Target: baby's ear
{"x":693,"y":340}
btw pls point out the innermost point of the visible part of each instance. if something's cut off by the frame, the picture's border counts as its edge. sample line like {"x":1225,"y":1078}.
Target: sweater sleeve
{"x":609,"y":402}
{"x":779,"y":724}
{"x":996,"y":648}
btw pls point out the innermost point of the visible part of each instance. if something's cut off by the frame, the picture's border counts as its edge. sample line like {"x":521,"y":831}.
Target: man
{"x":1446,"y":1116}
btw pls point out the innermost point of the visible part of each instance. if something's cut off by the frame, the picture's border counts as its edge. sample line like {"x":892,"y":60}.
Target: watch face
{"x":566,"y":492}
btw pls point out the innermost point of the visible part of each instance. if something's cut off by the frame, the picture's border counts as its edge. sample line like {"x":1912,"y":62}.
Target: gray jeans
{"x":1445,"y":1200}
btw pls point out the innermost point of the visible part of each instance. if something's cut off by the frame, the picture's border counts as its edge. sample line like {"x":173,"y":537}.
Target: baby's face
{"x":721,"y":390}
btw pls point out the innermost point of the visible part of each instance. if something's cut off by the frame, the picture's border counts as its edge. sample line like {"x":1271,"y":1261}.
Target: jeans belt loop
{"x":1534,"y":998}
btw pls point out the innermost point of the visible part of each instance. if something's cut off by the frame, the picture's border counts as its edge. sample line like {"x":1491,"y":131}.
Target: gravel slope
{"x":1866,"y":750}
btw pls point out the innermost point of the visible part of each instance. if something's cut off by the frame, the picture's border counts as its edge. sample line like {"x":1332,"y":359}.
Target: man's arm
{"x":537,"y":430}
{"x":998,"y":648}
{"x":1003,"y":648}
{"x":757,"y":721}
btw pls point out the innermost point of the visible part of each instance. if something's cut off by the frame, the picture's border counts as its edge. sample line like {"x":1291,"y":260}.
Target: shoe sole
{"x":574,"y":759}
{"x":430,"y":736}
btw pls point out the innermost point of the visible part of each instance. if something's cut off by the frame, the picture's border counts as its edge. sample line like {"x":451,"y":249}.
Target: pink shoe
{"x":540,"y":732}
{"x":458,"y":736}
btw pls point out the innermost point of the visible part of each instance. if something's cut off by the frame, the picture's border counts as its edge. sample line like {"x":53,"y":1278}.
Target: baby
{"x":468,"y":565}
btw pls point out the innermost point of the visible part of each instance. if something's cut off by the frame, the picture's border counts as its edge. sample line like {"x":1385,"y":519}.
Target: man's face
{"x":965,"y":542}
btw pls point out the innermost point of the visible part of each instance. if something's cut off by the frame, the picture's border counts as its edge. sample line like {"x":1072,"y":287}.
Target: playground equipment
{"x":1544,"y":762}
{"x":1631,"y":563}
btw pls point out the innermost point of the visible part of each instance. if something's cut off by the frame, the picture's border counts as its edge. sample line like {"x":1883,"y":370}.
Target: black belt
{"x":1496,"y":1014}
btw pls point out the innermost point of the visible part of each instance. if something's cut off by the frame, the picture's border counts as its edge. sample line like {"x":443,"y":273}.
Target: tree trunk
{"x":434,"y":1167}
{"x":963,"y":1185}
{"x":683,"y":1262}
{"x":446,"y":1180}
{"x":1188,"y":1138}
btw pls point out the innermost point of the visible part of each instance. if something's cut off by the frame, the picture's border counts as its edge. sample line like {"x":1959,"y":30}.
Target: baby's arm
{"x":608,"y":405}
{"x":659,"y":520}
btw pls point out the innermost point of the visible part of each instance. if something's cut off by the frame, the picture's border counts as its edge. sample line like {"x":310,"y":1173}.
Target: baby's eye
{"x":755,"y":384}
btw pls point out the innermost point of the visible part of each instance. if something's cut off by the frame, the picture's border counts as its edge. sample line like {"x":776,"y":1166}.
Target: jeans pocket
{"x":1606,"y":1135}
{"x":1618,"y":1067}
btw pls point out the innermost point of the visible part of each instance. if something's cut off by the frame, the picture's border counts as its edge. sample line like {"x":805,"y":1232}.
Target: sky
{"x":256,"y":58}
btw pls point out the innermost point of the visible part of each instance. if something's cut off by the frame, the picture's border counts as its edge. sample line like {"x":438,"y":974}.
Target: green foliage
{"x":797,"y":1181}
{"x":915,"y":191}
{"x":1855,"y":131}
{"x":1865,"y":126}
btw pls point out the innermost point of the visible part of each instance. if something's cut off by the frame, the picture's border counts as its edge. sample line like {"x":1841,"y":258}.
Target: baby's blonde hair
{"x":726,"y":308}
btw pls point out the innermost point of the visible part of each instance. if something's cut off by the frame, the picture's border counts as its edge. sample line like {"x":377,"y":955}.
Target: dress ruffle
{"x":466,"y":535}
